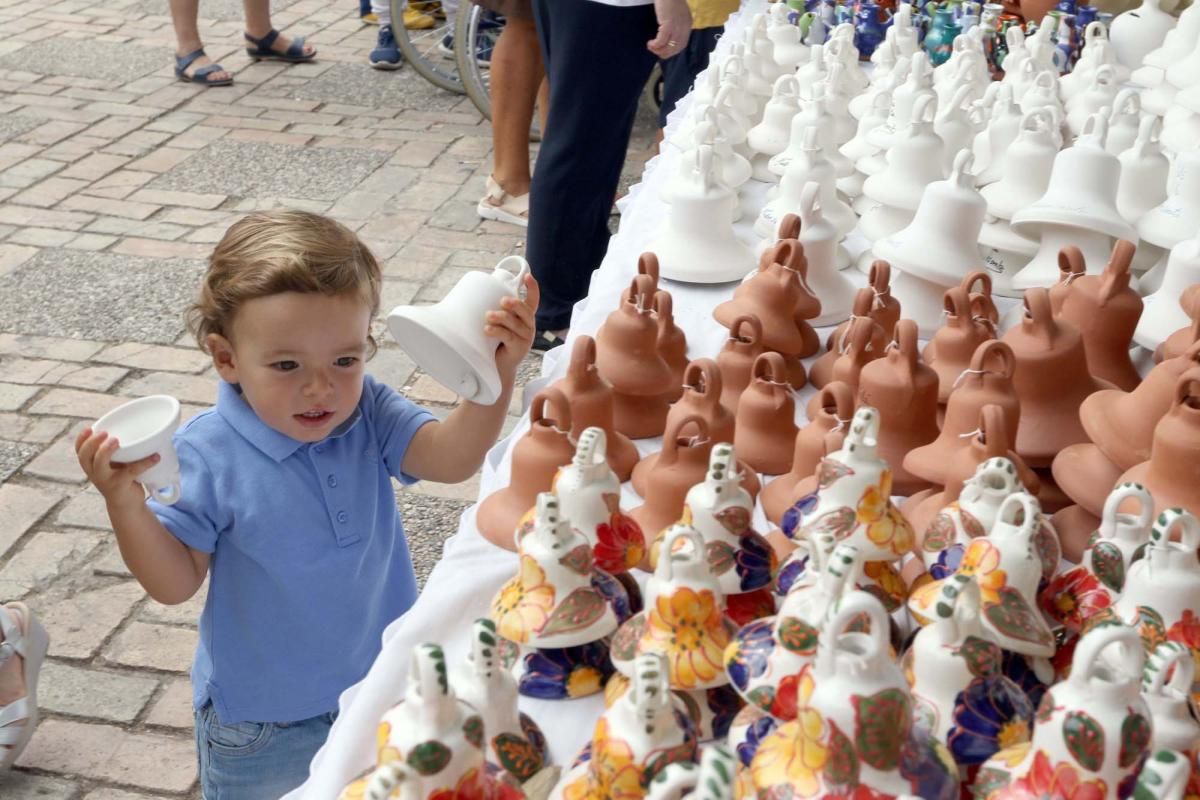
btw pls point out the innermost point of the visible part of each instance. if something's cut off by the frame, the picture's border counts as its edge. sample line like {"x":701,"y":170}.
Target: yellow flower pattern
{"x":886,"y":526}
{"x":523,"y":605}
{"x":688,"y":628}
{"x":796,"y":753}
{"x":612,"y":775}
{"x":982,"y":561}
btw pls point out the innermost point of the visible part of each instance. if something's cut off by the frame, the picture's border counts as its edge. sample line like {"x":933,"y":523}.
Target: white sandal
{"x":501,"y":206}
{"x":19,"y":718}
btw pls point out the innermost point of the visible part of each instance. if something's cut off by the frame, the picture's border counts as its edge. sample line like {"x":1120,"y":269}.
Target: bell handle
{"x":551,"y":399}
{"x":1027,"y":506}
{"x":864,"y":430}
{"x":770,"y":368}
{"x":980,"y":277}
{"x":703,"y":377}
{"x":1115,"y":278}
{"x":880,"y":278}
{"x":648,"y":265}
{"x":862,"y":331}
{"x":905,"y":341}
{"x":1039,"y":316}
{"x":738,"y":330}
{"x":1187,"y":390}
{"x":788,"y":228}
{"x":1070,"y":264}
{"x":837,"y":400}
{"x":592,"y":448}
{"x":512,"y":271}
{"x":1038,"y":119}
{"x":844,"y":611}
{"x":786,"y":86}
{"x":993,"y":431}
{"x":1095,"y":130}
{"x":994,"y":356}
{"x":957,"y":304}
{"x":1129,"y":101}
{"x":1116,"y":498}
{"x":1149,"y":130}
{"x":1095,"y":31}
{"x":704,"y":166}
{"x":781,"y":253}
{"x":1104,"y":75}
{"x":583,"y":359}
{"x":1175,"y":659}
{"x":664,"y":309}
{"x":924,"y":109}
{"x":960,"y":173}
{"x":641,"y":293}
{"x":1176,"y":519}
{"x":958,"y":607}
{"x":1087,"y":665}
{"x":674,"y":431}
{"x":391,"y":780}
{"x":670,"y":554}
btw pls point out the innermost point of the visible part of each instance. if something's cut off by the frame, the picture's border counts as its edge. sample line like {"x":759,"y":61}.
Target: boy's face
{"x":298,"y":358}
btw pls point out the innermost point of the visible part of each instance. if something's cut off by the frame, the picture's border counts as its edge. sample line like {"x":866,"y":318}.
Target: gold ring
{"x":672,"y":43}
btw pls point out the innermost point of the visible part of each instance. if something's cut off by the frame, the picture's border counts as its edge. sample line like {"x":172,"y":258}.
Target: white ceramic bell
{"x":914,"y":160}
{"x":907,"y":42}
{"x":1183,"y":73}
{"x":1014,"y":39}
{"x":145,"y":427}
{"x":904,"y":97}
{"x":734,"y":75}
{"x":836,"y":94}
{"x":1041,"y":92}
{"x":813,"y":71}
{"x":1161,"y":311}
{"x":761,"y":70}
{"x":1181,"y":125}
{"x":447,"y":339}
{"x":1123,"y":121}
{"x":939,"y":248}
{"x":958,"y":123}
{"x":1079,"y":208}
{"x":859,"y":148}
{"x":883,"y":80}
{"x":1138,"y":31}
{"x":789,"y":51}
{"x":846,"y":53}
{"x":1005,"y":253}
{"x":1099,"y":95}
{"x":885,"y":55}
{"x":1177,"y":217}
{"x":819,"y":238}
{"x":810,"y":166}
{"x":813,"y":113}
{"x":1144,"y":173}
{"x":1028,"y":162}
{"x":991,"y":145}
{"x":770,"y":137}
{"x":704,"y":90}
{"x":878,"y":222}
{"x":1090,"y":57}
{"x":696,"y":244}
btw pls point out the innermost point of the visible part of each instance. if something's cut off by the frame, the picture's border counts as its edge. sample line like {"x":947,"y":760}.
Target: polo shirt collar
{"x":241,"y":417}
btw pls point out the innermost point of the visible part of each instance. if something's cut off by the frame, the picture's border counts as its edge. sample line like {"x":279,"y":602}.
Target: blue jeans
{"x":255,"y":760}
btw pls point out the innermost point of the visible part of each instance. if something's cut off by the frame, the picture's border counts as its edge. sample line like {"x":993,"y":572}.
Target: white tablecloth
{"x":471,"y":570}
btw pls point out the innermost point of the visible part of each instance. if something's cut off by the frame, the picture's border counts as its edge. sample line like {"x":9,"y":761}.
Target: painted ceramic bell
{"x":447,"y":341}
{"x":1162,"y":314}
{"x":835,"y":408}
{"x":554,"y":600}
{"x":589,"y":494}
{"x":701,"y":396}
{"x":1162,"y":586}
{"x":853,"y":732}
{"x":1007,"y":567}
{"x":736,"y":359}
{"x":960,"y":695}
{"x":1144,"y":173}
{"x":1051,"y":380}
{"x":628,"y":357}
{"x":1091,"y":733}
{"x":1106,"y":311}
{"x":766,"y":417}
{"x":684,"y":620}
{"x":767,"y":655}
{"x":636,"y":737}
{"x":432,"y":743}
{"x":853,"y":499}
{"x":906,"y":393}
{"x":697,"y":243}
{"x":1079,"y":205}
{"x":591,"y":401}
{"x":536,"y":458}
{"x":712,"y":780}
{"x":1173,"y":472}
{"x":952,"y":347}
{"x":939,"y":248}
{"x":1167,"y":689}
{"x":1122,"y":423}
{"x":515,"y":743}
{"x":770,"y":137}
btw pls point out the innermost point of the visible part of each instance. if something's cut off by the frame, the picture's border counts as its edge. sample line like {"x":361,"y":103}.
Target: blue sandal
{"x":201,"y":74}
{"x":262,"y":49}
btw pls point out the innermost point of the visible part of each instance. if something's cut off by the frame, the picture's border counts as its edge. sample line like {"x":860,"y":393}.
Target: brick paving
{"x":115,"y":181}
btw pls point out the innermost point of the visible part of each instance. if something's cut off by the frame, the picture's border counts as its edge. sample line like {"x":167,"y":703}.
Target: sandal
{"x":501,"y":206}
{"x":262,"y":49}
{"x":19,"y":718}
{"x":201,"y":74}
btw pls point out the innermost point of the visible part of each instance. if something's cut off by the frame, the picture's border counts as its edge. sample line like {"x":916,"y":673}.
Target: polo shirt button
{"x":332,"y":481}
{"x":319,"y":448}
{"x":342,"y":516}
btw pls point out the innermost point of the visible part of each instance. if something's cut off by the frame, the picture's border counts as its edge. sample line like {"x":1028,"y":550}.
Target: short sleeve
{"x":396,"y":420}
{"x":191,"y":520}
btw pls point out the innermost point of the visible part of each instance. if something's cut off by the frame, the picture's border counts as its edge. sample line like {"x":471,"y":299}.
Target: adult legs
{"x":184,"y":14}
{"x":597,"y":63}
{"x":516,"y":74}
{"x":258,"y":24}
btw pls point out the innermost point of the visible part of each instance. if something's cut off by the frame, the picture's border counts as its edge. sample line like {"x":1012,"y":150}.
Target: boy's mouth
{"x":313,"y":419}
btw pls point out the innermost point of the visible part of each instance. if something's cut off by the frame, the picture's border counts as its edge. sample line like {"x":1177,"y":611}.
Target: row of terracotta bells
{"x":941,"y":169}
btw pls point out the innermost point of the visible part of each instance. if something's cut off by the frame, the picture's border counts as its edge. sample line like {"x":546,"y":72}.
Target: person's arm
{"x":674,"y":27}
{"x":452,"y":450}
{"x":167,"y":569}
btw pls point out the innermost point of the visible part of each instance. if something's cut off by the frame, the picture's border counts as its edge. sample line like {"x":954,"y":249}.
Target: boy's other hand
{"x":117,"y":482}
{"x":514,"y":326}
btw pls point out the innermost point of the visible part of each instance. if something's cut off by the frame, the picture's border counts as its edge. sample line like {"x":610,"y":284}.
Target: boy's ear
{"x":223,"y":357}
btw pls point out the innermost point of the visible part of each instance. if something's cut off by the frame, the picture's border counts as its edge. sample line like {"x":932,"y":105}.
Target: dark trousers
{"x":680,"y":70}
{"x":597,"y":64}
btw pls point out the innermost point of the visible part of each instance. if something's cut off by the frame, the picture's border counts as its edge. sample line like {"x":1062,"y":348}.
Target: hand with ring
{"x":674,"y":27}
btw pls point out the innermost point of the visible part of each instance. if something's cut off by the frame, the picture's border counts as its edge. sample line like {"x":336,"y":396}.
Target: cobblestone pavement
{"x":115,"y":181}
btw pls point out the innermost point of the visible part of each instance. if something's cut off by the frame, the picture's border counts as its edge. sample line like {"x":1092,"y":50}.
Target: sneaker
{"x":415,"y":20}
{"x":370,"y":18}
{"x":545,"y":340}
{"x":386,"y":54}
{"x":446,"y":45}
{"x":431,"y":7}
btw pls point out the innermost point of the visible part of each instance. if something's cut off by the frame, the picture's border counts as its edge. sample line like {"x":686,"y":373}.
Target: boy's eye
{"x":285,"y":366}
{"x":346,"y":361}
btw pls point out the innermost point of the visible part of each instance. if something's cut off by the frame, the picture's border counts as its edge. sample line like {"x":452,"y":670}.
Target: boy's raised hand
{"x":117,"y":482}
{"x":514,"y":326}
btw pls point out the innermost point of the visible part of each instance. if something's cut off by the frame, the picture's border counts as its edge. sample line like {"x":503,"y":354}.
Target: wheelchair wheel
{"x":426,"y":50}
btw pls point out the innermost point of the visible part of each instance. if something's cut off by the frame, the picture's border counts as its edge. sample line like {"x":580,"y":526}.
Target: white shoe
{"x":501,"y":206}
{"x":24,"y":636}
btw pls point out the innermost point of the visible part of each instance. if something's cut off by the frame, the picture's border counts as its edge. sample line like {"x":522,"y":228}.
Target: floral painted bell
{"x":1092,"y":730}
{"x":712,"y":780}
{"x":515,"y":743}
{"x":628,"y":357}
{"x":853,"y":498}
{"x":719,"y":509}
{"x":635,"y":738}
{"x":1007,"y":567}
{"x":853,"y":732}
{"x":684,"y":620}
{"x":1167,"y":689}
{"x":431,"y":744}
{"x":591,"y":400}
{"x":536,"y":458}
{"x":589,"y":495}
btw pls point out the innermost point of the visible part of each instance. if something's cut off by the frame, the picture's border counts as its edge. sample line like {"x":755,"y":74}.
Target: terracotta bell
{"x":776,"y":295}
{"x":835,"y":408}
{"x":628,"y":357}
{"x":1106,"y":310}
{"x":1051,"y":380}
{"x":736,"y":359}
{"x":702,"y":397}
{"x":987,"y":380}
{"x":951,"y":349}
{"x":591,"y":400}
{"x":766,"y":414}
{"x":1173,"y":472}
{"x":906,"y":393}
{"x":839,"y":341}
{"x":682,"y":464}
{"x":855,"y":353}
{"x":1122,"y":423}
{"x":1085,"y":474}
{"x":1182,"y":339}
{"x":672,"y":344}
{"x":536,"y":457}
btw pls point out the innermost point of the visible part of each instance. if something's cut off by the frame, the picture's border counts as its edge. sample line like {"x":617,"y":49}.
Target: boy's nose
{"x":319,"y":385}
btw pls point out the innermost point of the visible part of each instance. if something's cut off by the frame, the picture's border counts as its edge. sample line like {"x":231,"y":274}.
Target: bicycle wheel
{"x":475,"y":34}
{"x":424,"y":49}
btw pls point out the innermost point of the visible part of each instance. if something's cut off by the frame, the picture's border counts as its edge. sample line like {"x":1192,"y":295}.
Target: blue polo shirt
{"x":309,"y":561}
